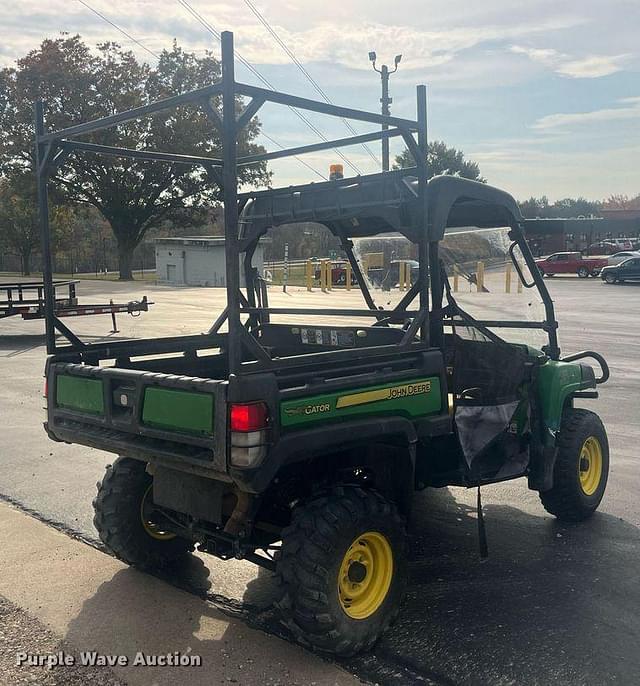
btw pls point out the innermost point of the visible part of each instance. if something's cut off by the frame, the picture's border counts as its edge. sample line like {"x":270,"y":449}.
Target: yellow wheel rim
{"x":590,"y":465}
{"x":365,"y":575}
{"x":148,"y":525}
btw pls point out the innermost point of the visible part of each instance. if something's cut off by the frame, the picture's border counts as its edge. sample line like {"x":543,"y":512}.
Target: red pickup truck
{"x":571,"y":263}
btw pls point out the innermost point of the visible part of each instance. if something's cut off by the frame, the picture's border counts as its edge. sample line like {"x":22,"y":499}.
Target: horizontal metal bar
{"x":141,"y":154}
{"x":151,"y":346}
{"x":392,"y":314}
{"x":315,"y":147}
{"x":324,"y":108}
{"x":498,"y":324}
{"x":34,"y":285}
{"x":347,"y":181}
{"x":331,"y":356}
{"x":128,"y":115}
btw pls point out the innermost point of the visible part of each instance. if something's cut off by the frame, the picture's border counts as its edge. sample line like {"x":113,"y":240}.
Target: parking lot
{"x":552,"y":604}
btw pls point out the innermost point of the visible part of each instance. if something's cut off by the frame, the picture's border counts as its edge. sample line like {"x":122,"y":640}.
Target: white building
{"x":197,"y":261}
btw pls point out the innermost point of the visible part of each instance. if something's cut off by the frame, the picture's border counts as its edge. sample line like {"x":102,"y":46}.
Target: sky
{"x":543,"y":94}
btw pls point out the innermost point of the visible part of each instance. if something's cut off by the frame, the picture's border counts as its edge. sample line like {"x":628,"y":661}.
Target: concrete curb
{"x":95,"y":603}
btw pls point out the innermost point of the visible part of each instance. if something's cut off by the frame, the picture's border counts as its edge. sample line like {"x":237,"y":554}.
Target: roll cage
{"x":406,"y":201}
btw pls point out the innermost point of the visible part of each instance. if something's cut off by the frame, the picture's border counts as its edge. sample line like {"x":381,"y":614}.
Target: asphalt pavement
{"x":553,"y":604}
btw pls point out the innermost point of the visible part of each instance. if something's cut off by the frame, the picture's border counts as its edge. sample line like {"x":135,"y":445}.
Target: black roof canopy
{"x":380,"y":203}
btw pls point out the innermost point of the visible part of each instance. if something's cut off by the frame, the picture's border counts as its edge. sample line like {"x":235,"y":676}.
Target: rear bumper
{"x":115,"y":422}
{"x":171,"y":454}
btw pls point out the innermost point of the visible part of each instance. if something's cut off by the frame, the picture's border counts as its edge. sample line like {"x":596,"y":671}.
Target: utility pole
{"x":385,"y":100}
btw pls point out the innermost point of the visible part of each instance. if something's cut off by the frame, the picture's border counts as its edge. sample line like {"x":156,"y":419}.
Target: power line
{"x":144,"y":47}
{"x":305,"y":72}
{"x":122,"y":31}
{"x":266,"y":82}
{"x":295,"y":157}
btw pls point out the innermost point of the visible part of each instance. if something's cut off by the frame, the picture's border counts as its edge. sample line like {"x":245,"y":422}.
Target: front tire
{"x":581,"y":468}
{"x":343,"y":569}
{"x":124,"y":518}
{"x":610,"y":278}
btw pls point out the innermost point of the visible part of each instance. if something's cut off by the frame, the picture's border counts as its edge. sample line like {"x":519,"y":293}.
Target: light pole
{"x":385,"y":100}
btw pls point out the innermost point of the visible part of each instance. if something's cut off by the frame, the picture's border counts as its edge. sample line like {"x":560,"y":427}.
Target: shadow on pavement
{"x":14,"y":344}
{"x":553,"y":603}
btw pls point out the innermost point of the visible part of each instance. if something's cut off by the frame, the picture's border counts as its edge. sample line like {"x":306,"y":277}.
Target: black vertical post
{"x":230,"y":196}
{"x":423,"y":177}
{"x":42,"y":177}
{"x":386,"y":101}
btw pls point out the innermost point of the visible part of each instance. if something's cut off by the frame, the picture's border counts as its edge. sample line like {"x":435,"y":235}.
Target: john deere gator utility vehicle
{"x":300,"y":447}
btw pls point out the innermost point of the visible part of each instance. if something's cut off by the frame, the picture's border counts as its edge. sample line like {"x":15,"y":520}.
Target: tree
{"x":78,"y":85}
{"x":565,"y":208}
{"x":535,"y":207}
{"x":576,"y":207}
{"x":19,"y":227}
{"x":443,"y":160}
{"x":622,"y":202}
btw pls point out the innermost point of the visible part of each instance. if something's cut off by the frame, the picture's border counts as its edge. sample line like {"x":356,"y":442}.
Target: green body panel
{"x":411,"y":398}
{"x":80,"y":394}
{"x":557,"y":380}
{"x":184,"y":411}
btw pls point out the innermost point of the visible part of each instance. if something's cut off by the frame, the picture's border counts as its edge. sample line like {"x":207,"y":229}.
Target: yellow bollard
{"x":323,"y":278}
{"x":308,"y":274}
{"x":329,"y":279}
{"x":456,"y":278}
{"x":507,"y":278}
{"x":348,"y":276}
{"x":480,"y":277}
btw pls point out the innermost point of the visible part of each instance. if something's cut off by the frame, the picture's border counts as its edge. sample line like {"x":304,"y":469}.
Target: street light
{"x":385,"y":100}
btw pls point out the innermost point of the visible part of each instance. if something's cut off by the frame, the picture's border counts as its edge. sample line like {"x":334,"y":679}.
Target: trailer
{"x":27,"y":299}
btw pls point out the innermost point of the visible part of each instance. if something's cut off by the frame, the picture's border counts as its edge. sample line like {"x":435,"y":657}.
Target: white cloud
{"x":630,"y":110}
{"x":533,"y":170}
{"x":589,"y":67}
{"x":338,"y":32}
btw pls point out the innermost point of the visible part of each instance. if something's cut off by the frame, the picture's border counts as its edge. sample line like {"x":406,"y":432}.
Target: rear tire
{"x":581,"y":468}
{"x":124,"y":518}
{"x":343,"y":569}
{"x":583,"y":272}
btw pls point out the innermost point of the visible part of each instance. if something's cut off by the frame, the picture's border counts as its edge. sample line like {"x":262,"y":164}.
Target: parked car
{"x":618,"y":257}
{"x":338,"y":274}
{"x":629,"y":270}
{"x":570,"y":263}
{"x":610,"y":246}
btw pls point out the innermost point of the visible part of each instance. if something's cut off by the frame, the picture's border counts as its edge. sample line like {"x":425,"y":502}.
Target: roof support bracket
{"x":249,"y":112}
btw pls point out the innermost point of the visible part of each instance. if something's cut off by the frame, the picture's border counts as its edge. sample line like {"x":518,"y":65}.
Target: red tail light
{"x":248,"y":417}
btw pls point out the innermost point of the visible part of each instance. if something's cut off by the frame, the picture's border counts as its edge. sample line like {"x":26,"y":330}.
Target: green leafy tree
{"x":19,"y":226}
{"x":576,"y":207}
{"x":443,"y":160}
{"x":77,"y":85}
{"x":560,"y":209}
{"x":535,"y":207}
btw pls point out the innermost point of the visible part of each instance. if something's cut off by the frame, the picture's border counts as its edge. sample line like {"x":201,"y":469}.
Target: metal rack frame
{"x":53,"y":147}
